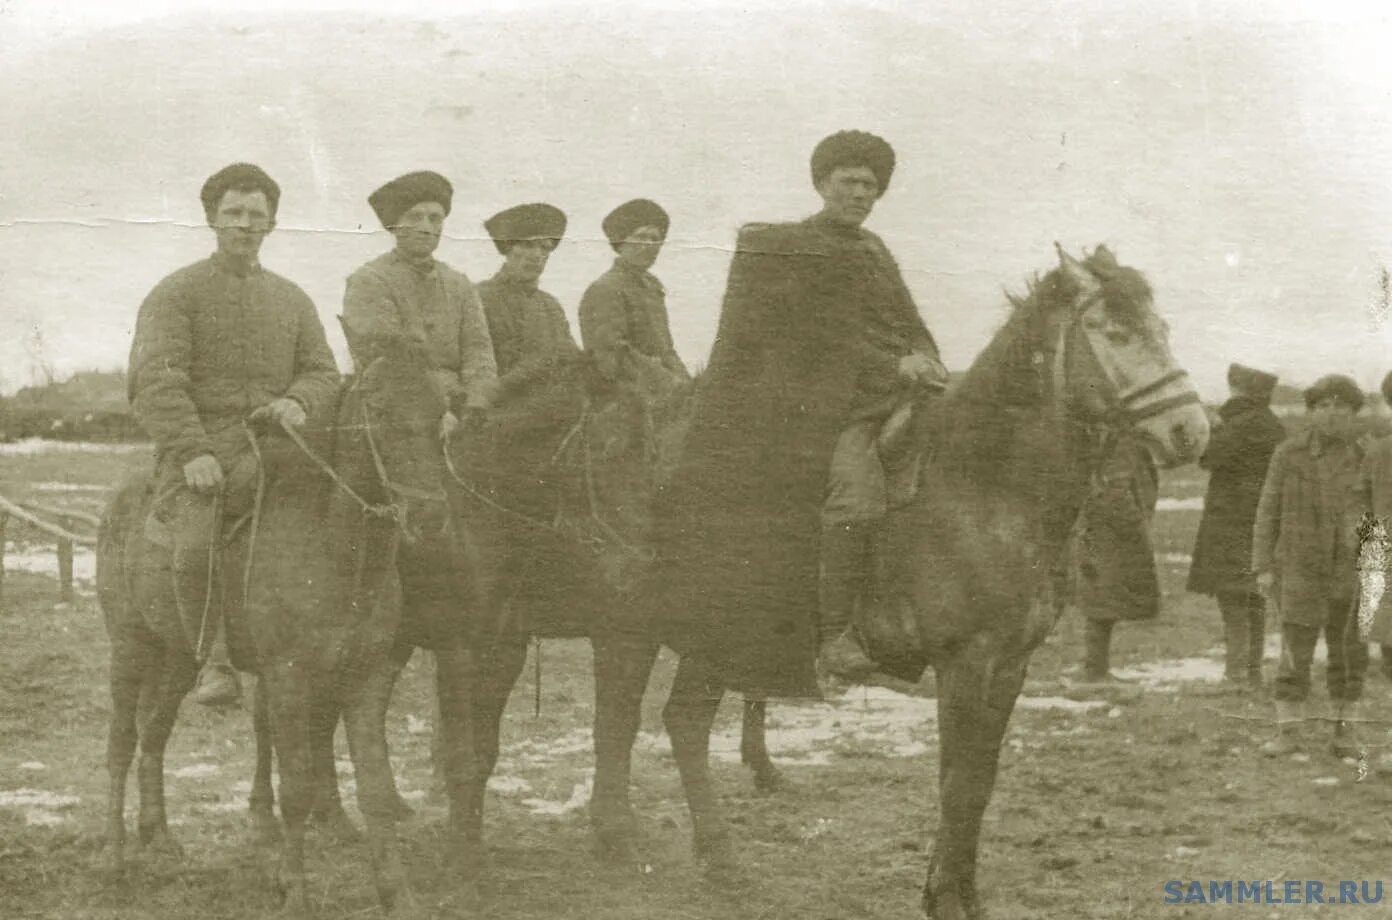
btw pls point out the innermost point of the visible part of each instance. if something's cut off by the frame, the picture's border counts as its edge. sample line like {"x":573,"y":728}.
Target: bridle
{"x":1123,"y":410}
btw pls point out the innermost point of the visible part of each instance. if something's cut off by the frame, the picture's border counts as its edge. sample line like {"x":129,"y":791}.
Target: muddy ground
{"x":1100,"y":802}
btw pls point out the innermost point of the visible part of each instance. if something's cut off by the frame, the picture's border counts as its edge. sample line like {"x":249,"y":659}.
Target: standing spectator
{"x":1114,"y":559}
{"x":1239,"y":451}
{"x":1304,"y":549}
{"x":1375,"y":496}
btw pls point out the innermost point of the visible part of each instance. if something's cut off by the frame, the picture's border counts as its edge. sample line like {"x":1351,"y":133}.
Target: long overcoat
{"x":814,"y":320}
{"x":1239,"y":452}
{"x":1306,"y":527}
{"x":1114,"y":557}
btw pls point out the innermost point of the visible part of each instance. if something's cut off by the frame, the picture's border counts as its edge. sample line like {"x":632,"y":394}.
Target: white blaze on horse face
{"x":1148,"y":383}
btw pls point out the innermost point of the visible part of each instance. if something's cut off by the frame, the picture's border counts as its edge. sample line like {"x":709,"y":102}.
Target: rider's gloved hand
{"x":286,"y":412}
{"x":924,"y":370}
{"x":203,"y":473}
{"x":449,"y":424}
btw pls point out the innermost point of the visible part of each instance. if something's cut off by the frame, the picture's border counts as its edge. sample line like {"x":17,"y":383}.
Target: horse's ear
{"x":1077,"y":271}
{"x":1103,"y":256}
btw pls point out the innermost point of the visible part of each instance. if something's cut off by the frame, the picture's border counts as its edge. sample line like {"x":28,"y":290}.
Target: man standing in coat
{"x":1239,"y":452}
{"x":1304,"y":553}
{"x":763,"y":534}
{"x":215,"y":342}
{"x":1114,"y":559}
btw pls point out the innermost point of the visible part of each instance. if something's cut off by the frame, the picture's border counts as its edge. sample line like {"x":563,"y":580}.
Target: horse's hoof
{"x":772,"y":781}
{"x":161,"y":848}
{"x":716,"y":855}
{"x":265,"y":829}
{"x":112,"y":867}
{"x":336,"y":826}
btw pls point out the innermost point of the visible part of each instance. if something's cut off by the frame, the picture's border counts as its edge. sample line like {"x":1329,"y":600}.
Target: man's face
{"x":641,"y":248}
{"x":1333,"y":417}
{"x":849,"y":194}
{"x":526,"y":260}
{"x":418,"y":229}
{"x":241,"y":222}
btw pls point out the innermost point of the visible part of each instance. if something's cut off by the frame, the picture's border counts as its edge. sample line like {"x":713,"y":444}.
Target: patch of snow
{"x":36,"y":798}
{"x":46,"y":563}
{"x":1195,"y":503}
{"x":28,"y":447}
{"x":1059,"y":704}
{"x":508,"y":785}
{"x":40,"y":818}
{"x":579,"y":797}
{"x":1168,"y":673}
{"x":32,"y":765}
{"x":69,"y":487}
{"x":1177,"y":558}
{"x":197,"y":771}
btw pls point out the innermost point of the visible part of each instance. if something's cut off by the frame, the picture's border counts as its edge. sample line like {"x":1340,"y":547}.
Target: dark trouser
{"x":1244,"y":634}
{"x":1348,"y":656}
{"x":192,"y":520}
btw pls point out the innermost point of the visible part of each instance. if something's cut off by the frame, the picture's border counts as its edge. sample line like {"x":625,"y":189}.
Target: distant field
{"x":1100,"y":802}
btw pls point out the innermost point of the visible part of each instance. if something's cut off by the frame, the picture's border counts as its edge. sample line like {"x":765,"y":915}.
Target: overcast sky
{"x":1237,"y":153}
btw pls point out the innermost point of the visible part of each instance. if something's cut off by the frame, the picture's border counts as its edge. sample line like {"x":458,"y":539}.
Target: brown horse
{"x":1008,"y":457}
{"x":319,"y":617}
{"x":564,"y":476}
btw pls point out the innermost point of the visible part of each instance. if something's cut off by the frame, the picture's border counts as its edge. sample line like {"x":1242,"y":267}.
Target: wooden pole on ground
{"x":4,"y":518}
{"x":65,"y":571}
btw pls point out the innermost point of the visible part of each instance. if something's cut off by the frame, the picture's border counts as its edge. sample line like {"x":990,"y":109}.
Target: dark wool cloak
{"x":1114,"y":559}
{"x":814,"y":322}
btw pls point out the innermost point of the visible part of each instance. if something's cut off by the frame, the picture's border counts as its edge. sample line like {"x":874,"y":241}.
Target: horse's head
{"x":397,"y":416}
{"x":1113,"y":364}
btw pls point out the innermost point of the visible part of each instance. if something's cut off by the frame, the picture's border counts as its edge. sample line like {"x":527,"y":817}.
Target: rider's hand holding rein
{"x":924,"y":370}
{"x":286,"y":412}
{"x":203,"y":473}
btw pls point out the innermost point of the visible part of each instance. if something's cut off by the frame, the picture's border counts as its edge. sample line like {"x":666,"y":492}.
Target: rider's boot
{"x":845,"y":558}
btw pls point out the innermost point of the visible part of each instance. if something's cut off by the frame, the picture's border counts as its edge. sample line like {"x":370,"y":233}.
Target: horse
{"x":564,"y":472}
{"x":1006,"y":459}
{"x":320,"y":617}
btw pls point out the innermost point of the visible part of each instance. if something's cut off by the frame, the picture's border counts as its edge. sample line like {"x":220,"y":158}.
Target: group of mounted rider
{"x":817,"y":506}
{"x":225,"y":339}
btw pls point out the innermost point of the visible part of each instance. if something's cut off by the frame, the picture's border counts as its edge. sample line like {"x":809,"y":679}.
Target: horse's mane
{"x":1008,"y":384}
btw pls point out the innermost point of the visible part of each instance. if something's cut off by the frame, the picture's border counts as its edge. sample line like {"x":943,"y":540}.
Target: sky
{"x":1237,"y":153}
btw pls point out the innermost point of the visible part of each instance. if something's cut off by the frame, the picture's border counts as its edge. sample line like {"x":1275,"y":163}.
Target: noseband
{"x":1123,"y":409}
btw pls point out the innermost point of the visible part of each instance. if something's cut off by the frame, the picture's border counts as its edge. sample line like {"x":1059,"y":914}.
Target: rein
{"x":592,"y":500}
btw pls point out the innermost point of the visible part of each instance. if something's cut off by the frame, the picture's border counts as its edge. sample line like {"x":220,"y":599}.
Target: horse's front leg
{"x":261,"y":804}
{"x":754,"y":754}
{"x":132,"y":661}
{"x":290,"y":691}
{"x":977,"y":689}
{"x":364,"y":718}
{"x":159,"y":707}
{"x":456,"y":683}
{"x":689,"y":716}
{"x":622,"y":666}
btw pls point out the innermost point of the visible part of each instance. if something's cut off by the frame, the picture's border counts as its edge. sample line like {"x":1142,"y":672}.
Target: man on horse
{"x":820,"y":344}
{"x":529,"y":329}
{"x":216,"y":341}
{"x":623,"y":315}
{"x":408,"y":292}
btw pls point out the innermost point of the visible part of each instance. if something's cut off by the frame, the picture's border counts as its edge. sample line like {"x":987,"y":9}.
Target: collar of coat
{"x":228,"y":265}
